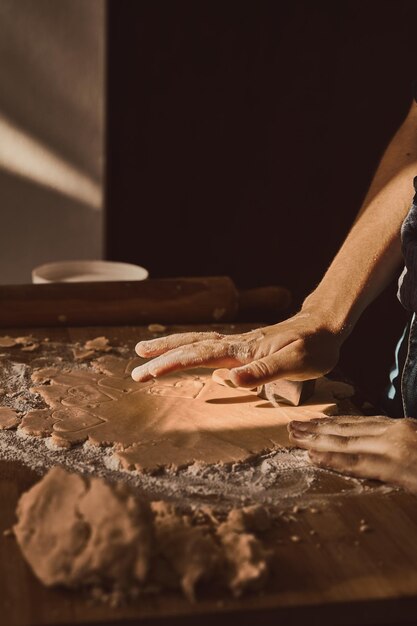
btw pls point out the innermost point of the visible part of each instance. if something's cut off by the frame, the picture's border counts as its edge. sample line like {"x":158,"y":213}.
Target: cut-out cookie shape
{"x":178,"y":385}
{"x":73,"y":420}
{"x":84,"y":396}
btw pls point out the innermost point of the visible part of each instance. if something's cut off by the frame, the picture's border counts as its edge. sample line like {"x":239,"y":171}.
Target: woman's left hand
{"x":375,"y":447}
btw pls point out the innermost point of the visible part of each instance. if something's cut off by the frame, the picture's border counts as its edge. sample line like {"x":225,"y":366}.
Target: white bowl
{"x":87,"y":271}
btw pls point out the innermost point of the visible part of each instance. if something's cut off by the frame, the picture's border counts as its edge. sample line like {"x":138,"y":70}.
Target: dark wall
{"x":242,"y":137}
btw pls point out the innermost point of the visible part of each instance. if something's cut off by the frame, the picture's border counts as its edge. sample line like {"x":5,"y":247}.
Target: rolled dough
{"x":172,"y":422}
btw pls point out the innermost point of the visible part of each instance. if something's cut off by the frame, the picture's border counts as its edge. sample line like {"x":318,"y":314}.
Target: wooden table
{"x":335,"y":575}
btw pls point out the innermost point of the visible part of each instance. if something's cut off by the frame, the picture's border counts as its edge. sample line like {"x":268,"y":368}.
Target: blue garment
{"x":400,"y":399}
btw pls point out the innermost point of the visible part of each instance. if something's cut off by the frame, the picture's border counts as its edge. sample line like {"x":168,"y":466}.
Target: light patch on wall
{"x":29,"y":158}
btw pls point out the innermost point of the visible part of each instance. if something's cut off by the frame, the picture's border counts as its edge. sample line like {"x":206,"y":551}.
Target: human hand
{"x":299,"y":348}
{"x":375,"y":447}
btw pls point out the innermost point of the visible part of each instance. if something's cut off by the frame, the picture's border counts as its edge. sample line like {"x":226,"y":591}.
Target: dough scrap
{"x":8,"y":418}
{"x":157,"y":328}
{"x":25,"y":341}
{"x":99,"y":344}
{"x":44,"y":375}
{"x":74,"y":531}
{"x":185,"y":555}
{"x":7,"y":342}
{"x":247,"y":559}
{"x":30,"y":347}
{"x":110,"y":365}
{"x":254,"y":518}
{"x":38,"y":423}
{"x":180,"y":419}
{"x":82,"y":354}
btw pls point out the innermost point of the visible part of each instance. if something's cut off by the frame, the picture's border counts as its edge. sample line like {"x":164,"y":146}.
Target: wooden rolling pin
{"x":165,"y":301}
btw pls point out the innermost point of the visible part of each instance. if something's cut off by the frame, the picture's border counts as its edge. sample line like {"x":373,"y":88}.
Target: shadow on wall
{"x":51,"y":133}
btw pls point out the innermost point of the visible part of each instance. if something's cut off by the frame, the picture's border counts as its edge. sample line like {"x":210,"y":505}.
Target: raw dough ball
{"x":74,"y":531}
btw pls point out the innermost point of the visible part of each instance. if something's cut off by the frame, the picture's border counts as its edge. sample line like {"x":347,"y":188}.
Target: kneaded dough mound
{"x":75,"y":531}
{"x":69,"y":537}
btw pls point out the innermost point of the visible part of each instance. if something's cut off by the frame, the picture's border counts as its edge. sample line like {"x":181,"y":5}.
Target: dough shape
{"x":7,"y":342}
{"x":180,"y":385}
{"x":99,"y":344}
{"x":38,"y":423}
{"x":84,"y":395}
{"x":73,"y":420}
{"x":110,"y":365}
{"x":8,"y":418}
{"x":82,"y":354}
{"x":173,"y":421}
{"x":44,"y":375}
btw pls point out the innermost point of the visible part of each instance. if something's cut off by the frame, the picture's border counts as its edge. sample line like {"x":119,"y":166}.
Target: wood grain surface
{"x":334,"y":575}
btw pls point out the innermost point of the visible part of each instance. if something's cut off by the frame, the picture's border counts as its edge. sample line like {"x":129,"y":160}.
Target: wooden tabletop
{"x":335,"y":574}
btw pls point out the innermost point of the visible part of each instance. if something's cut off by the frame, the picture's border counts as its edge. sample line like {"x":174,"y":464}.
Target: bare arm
{"x":371,"y":253}
{"x":307,"y":345}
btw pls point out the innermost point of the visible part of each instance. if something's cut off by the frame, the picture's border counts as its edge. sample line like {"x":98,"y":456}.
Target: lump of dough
{"x":246,"y":557}
{"x":255,"y":518}
{"x":186,"y":555}
{"x":247,"y":561}
{"x":74,"y":531}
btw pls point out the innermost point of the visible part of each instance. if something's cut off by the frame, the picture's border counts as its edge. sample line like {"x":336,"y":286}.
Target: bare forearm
{"x":371,"y":253}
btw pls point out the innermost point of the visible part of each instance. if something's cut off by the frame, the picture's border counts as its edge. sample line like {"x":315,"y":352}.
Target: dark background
{"x":242,"y":137}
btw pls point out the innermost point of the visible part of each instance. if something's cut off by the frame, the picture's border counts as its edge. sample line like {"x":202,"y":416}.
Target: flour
{"x":279,"y":478}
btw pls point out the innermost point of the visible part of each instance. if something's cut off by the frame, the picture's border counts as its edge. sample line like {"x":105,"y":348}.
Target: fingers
{"x":155,"y":347}
{"x":215,"y":350}
{"x":362,"y":466}
{"x":337,"y":443}
{"x":345,"y":426}
{"x":202,"y":354}
{"x":342,"y":434}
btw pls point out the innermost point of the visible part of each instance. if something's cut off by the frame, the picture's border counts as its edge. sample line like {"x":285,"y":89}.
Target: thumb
{"x":282,"y":364}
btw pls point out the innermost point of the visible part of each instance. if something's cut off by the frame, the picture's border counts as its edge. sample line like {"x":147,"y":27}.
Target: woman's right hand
{"x":299,"y":348}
